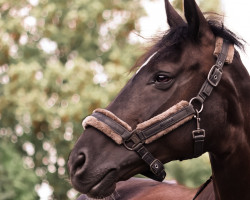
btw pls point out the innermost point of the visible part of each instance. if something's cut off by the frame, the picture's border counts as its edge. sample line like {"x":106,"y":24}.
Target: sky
{"x":237,"y":17}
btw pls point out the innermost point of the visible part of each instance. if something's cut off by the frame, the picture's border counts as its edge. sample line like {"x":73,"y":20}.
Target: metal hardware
{"x":199,"y":133}
{"x":214,"y":75}
{"x":156,"y":166}
{"x":198,"y":100}
{"x":132,"y":142}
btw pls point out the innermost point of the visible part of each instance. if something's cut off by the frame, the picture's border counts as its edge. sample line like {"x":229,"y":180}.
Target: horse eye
{"x":162,"y":78}
{"x":163,"y":81}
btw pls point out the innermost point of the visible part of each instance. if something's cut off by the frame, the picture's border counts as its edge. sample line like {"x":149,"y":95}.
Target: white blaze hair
{"x":147,"y":61}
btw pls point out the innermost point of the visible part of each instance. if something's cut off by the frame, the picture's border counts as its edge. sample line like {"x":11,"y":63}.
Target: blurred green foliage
{"x":15,"y":181}
{"x":59,"y":60}
{"x":191,"y":173}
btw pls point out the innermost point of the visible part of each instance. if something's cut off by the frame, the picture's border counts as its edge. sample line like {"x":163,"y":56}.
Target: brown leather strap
{"x":115,"y":126}
{"x":214,"y":75}
{"x":166,"y":123}
{"x":199,"y":139}
{"x":156,"y":167}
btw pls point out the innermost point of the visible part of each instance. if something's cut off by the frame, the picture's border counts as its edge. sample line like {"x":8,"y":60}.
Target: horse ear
{"x":174,"y":19}
{"x":197,"y":23}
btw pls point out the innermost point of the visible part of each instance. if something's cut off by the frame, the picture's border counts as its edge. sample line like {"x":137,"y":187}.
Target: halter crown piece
{"x":154,"y":128}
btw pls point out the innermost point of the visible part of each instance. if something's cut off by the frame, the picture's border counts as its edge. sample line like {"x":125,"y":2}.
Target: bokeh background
{"x":59,"y":60}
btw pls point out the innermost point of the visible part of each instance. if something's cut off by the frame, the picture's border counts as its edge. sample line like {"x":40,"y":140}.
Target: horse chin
{"x":103,"y":187}
{"x":98,"y":192}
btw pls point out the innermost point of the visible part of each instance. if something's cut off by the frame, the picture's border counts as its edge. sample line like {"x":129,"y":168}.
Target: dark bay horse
{"x":182,"y":102}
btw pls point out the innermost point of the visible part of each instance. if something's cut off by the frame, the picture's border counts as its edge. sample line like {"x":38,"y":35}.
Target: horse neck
{"x":231,"y":171}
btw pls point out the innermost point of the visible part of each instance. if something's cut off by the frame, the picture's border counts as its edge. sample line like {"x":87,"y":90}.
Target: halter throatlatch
{"x":156,"y":127}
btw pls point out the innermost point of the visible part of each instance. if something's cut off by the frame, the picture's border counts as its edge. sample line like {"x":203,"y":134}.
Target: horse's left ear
{"x":197,"y":23}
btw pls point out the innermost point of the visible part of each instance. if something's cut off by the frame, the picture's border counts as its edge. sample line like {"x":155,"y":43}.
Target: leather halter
{"x":133,"y":140}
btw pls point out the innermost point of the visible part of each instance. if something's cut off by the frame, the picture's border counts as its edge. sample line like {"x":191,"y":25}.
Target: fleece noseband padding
{"x":103,"y":127}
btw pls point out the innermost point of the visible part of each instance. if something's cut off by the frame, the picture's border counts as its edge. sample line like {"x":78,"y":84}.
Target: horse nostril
{"x":81,"y":156}
{"x":78,"y":162}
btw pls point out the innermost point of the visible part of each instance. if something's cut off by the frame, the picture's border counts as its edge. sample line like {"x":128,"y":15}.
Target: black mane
{"x":219,"y":29}
{"x":168,"y":42}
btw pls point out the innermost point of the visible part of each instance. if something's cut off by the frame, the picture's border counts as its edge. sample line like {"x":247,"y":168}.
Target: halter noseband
{"x":150,"y":130}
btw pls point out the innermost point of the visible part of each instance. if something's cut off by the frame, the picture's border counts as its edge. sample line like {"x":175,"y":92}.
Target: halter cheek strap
{"x":224,"y":52}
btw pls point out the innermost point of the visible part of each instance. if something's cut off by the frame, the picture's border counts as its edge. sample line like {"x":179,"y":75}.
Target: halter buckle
{"x":198,"y":136}
{"x":214,"y":75}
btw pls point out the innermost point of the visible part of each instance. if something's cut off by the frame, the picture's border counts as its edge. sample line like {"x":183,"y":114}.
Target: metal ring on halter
{"x":133,"y":147}
{"x":134,"y":141}
{"x":198,"y":100}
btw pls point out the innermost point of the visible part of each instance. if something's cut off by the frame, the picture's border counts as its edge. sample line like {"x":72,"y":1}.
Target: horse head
{"x":164,"y":89}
